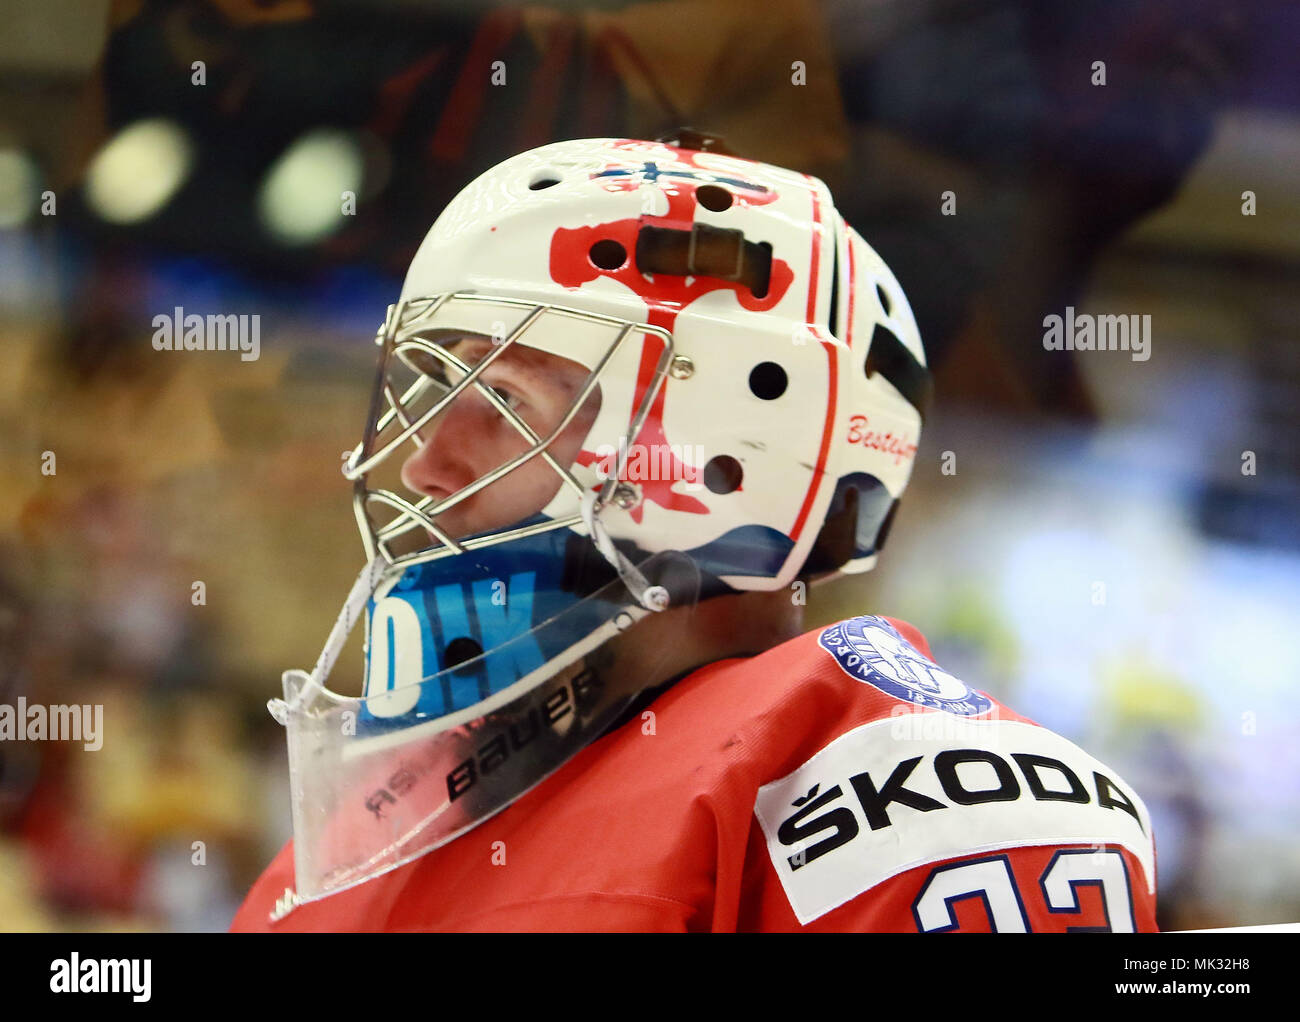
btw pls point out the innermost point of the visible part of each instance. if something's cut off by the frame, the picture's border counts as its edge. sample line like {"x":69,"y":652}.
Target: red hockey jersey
{"x":839,"y":782}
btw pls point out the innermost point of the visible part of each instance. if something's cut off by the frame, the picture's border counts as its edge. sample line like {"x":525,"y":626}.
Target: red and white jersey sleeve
{"x":839,"y":782}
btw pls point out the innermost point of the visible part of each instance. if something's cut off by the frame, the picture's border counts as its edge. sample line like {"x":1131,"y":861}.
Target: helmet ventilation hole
{"x":713,"y":198}
{"x":608,"y":254}
{"x":544,"y":179}
{"x":768,"y":381}
{"x":723,"y":474}
{"x":885,"y":303}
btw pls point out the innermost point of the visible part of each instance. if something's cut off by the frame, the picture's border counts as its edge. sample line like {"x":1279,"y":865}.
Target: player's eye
{"x":513,"y":401}
{"x":449,"y":376}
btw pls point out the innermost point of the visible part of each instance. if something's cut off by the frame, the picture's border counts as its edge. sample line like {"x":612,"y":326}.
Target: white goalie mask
{"x":622,"y":376}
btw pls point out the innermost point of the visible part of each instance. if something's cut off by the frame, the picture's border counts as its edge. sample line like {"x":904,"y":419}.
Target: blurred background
{"x":1105,"y":558}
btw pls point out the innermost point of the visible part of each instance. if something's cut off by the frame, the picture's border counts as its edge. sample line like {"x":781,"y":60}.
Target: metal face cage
{"x":414,"y":385}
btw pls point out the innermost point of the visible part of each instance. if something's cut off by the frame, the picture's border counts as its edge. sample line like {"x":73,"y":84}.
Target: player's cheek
{"x":576,"y":432}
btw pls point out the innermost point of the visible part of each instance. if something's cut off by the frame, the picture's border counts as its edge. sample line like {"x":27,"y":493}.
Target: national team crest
{"x":870,"y":649}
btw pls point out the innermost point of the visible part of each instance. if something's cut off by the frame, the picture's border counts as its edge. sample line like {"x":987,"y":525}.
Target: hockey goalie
{"x":632,"y":397}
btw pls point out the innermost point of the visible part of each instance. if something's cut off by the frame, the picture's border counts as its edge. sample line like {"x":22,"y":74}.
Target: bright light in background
{"x":18,"y":187}
{"x":139,"y":171}
{"x":302,"y":196}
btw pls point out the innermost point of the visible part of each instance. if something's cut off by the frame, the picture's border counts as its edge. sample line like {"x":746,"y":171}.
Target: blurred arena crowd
{"x":194,"y":537}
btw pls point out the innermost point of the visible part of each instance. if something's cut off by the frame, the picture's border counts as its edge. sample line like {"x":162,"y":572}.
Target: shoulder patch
{"x":871,"y":650}
{"x":873,"y":804}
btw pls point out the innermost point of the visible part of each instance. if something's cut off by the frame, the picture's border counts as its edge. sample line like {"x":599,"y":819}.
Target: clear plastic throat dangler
{"x":373,"y":789}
